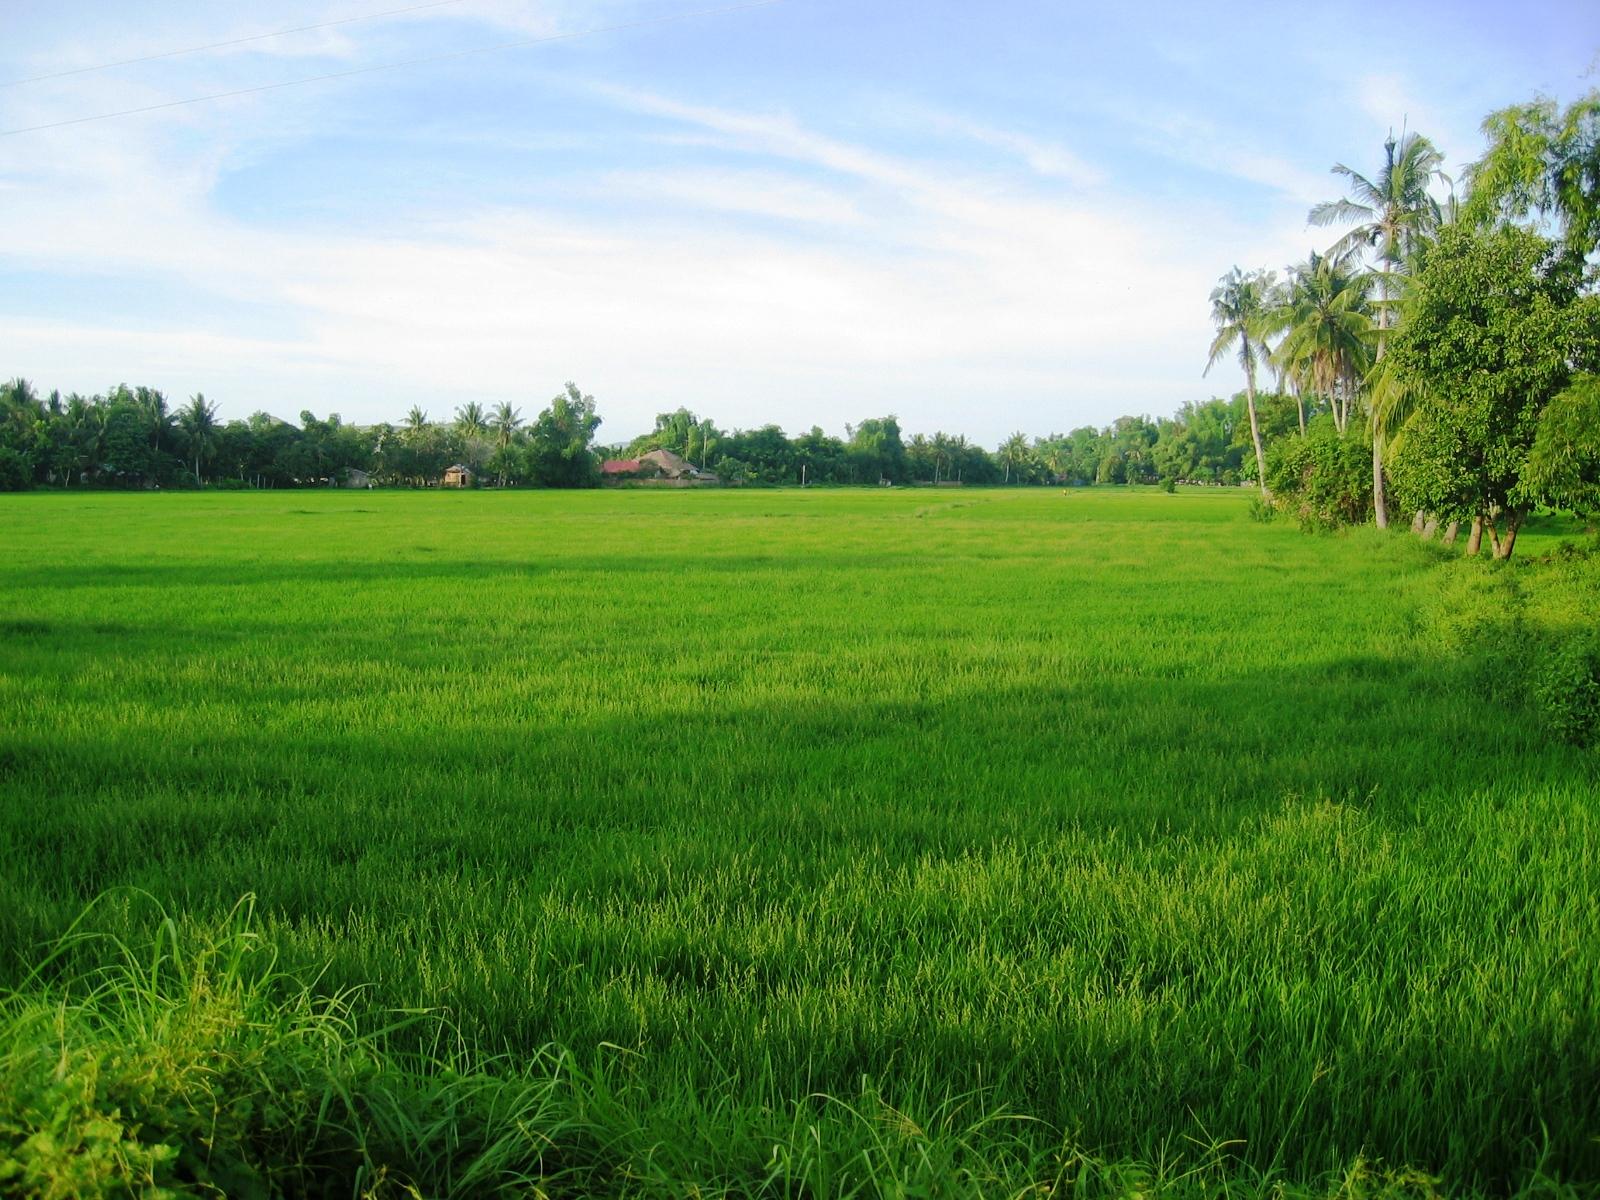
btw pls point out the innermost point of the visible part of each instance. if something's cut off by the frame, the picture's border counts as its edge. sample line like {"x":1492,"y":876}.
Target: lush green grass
{"x":1117,"y":810}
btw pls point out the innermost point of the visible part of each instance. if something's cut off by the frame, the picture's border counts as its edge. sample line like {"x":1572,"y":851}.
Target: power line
{"x":393,"y":66}
{"x":240,"y":41}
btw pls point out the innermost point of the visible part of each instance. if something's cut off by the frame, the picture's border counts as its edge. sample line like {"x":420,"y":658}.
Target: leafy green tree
{"x":1563,"y":467}
{"x":1493,"y":328}
{"x":673,"y":431}
{"x":706,"y":436}
{"x":1239,"y":311}
{"x":560,"y":452}
{"x":128,"y":456}
{"x":820,"y":458}
{"x":765,"y":453}
{"x":876,"y":451}
{"x":1542,"y":162}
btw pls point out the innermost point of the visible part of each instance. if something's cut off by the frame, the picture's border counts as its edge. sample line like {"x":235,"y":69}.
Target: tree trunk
{"x":1475,"y":538}
{"x":1255,"y":429}
{"x":1504,"y":545}
{"x":1380,"y":503}
{"x":1450,"y":533}
{"x":1300,"y":405}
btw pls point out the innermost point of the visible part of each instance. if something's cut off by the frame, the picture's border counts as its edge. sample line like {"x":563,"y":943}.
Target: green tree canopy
{"x":1492,"y":331}
{"x":1542,"y":161}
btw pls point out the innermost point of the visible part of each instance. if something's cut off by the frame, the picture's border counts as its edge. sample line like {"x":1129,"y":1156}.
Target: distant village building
{"x":658,"y":466}
{"x":355,"y":477}
{"x":458,"y":475}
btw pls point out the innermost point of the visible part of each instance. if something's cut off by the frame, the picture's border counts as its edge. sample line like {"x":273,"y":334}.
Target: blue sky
{"x":979,"y":216}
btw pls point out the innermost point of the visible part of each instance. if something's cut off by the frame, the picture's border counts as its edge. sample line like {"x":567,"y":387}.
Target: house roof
{"x":667,"y":460}
{"x":619,"y":466}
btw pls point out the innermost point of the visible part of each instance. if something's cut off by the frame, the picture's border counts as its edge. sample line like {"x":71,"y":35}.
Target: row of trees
{"x":132,"y":437}
{"x":1205,"y":442}
{"x":1450,"y":339}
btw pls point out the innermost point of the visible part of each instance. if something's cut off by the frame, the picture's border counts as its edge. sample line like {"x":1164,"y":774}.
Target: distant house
{"x":458,"y":475}
{"x":355,"y":477}
{"x":659,"y":467}
{"x":669,"y":465}
{"x":665,"y":463}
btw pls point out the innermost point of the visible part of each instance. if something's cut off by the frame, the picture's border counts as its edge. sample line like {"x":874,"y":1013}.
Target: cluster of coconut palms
{"x":1321,"y":329}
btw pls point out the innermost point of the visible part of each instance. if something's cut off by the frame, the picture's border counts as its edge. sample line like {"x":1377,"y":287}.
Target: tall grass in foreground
{"x":188,"y":1065}
{"x":1183,"y":841}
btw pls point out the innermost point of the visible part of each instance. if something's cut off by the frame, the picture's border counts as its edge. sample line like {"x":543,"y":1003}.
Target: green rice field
{"x":1021,"y":830}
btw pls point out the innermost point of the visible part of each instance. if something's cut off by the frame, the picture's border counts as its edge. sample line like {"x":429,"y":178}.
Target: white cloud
{"x":754,"y":192}
{"x":869,"y":281}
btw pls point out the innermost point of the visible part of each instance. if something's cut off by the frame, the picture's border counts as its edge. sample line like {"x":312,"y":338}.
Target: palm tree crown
{"x":470,"y":420}
{"x":198,"y":420}
{"x":1392,"y":213}
{"x":506,"y":421}
{"x":1326,"y":318}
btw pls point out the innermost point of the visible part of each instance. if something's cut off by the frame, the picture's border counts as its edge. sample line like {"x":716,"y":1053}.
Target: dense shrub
{"x":1526,"y":635}
{"x":1323,"y":480}
{"x":16,"y":470}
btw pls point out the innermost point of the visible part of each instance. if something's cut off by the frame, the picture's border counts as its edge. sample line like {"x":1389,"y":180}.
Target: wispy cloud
{"x":974,"y":233}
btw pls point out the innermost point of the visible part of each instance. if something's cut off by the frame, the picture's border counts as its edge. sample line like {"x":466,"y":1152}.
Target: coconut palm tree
{"x":506,"y":422}
{"x":1238,"y":307}
{"x":1275,"y":321}
{"x":1391,"y":216}
{"x":198,"y":420}
{"x":19,"y":404}
{"x":1014,"y":452}
{"x":157,"y":417}
{"x":417,"y":419}
{"x":471,"y":421}
{"x":1326,"y":319}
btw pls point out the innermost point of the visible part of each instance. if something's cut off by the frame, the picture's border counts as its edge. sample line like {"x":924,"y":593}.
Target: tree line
{"x":133,"y":437}
{"x":1451,"y":343}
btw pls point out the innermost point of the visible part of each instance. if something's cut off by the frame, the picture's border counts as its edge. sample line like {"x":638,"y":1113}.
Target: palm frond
{"x":1220,"y":346}
{"x":1331,"y":212}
